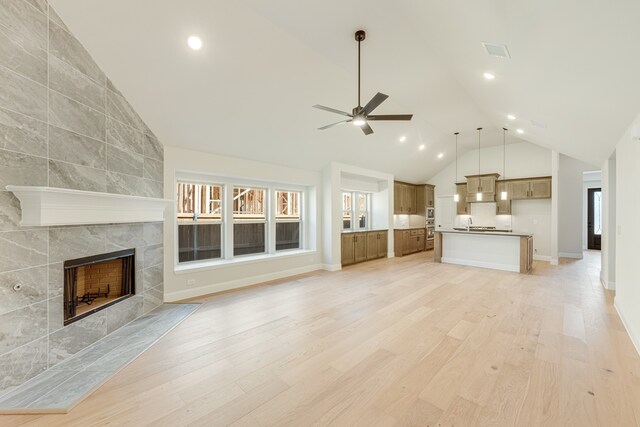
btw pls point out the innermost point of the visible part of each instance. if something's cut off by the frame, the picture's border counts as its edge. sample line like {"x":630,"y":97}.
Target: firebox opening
{"x":94,"y":283}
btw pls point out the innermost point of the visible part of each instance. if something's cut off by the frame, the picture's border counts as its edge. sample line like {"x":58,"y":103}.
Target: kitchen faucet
{"x":469,"y":222}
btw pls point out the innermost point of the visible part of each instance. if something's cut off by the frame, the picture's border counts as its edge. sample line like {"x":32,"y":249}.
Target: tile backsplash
{"x":484,"y":214}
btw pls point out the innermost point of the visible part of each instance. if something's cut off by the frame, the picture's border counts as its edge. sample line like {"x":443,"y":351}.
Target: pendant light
{"x":479,"y":193}
{"x":456,"y":197}
{"x":503,"y":194}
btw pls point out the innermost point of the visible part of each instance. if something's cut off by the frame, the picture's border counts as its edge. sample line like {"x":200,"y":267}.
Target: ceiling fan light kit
{"x":361,"y":116}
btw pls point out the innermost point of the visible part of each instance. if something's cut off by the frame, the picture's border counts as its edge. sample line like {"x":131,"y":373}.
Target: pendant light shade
{"x":456,"y":197}
{"x":479,"y":193}
{"x":503,"y":194}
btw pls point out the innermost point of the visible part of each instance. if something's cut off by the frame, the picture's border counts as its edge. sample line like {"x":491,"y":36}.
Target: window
{"x":363,"y":210}
{"x":347,"y":210}
{"x":288,"y":222}
{"x":199,"y":222}
{"x":597,"y":213}
{"x":356,"y":205}
{"x":249,"y":221}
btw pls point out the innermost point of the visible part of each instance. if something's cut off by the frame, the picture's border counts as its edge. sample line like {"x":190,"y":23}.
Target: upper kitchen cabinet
{"x":430,"y":195}
{"x":530,"y":188}
{"x":503,"y":207}
{"x":462,"y":207}
{"x":485,"y":183}
{"x":404,"y":198}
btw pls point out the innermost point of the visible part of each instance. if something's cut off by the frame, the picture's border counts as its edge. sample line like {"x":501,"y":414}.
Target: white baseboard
{"x":635,"y":339}
{"x":554,"y":261}
{"x":332,"y":267}
{"x":573,"y":255}
{"x":542,"y":258}
{"x":239,"y":283}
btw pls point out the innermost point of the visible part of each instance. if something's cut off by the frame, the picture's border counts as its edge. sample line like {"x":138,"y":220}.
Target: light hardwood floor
{"x":392,"y":342}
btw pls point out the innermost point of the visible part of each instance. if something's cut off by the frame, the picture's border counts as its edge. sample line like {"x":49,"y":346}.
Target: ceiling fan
{"x":360,"y":116}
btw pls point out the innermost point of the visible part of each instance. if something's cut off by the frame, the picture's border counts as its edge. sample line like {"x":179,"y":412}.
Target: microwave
{"x":431,"y":213}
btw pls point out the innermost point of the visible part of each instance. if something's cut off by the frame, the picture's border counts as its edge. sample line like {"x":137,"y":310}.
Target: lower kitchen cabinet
{"x":411,"y":241}
{"x":363,"y":246}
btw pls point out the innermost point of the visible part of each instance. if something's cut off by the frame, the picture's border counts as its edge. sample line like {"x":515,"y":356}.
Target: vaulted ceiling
{"x":248,"y":92}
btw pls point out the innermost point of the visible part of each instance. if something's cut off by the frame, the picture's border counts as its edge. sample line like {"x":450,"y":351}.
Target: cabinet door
{"x":488,"y":184}
{"x":382,"y":244}
{"x":360,"y":247}
{"x":461,"y":206}
{"x":431,"y":197}
{"x":372,"y":245}
{"x":406,"y":242}
{"x":428,"y":245}
{"x":348,"y":255}
{"x":473,"y":183}
{"x":411,"y":207}
{"x":540,"y":189}
{"x":421,"y":199}
{"x":397,"y":198}
{"x":519,"y":190}
{"x":420,"y":243}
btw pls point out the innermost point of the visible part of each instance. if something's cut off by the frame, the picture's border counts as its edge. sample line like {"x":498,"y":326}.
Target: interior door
{"x":594,"y":218}
{"x":446,"y":210}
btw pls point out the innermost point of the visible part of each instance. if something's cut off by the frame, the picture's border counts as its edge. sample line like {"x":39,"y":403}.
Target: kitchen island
{"x":500,"y":250}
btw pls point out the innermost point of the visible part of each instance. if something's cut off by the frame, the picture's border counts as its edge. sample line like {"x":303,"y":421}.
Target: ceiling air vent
{"x":498,"y":50}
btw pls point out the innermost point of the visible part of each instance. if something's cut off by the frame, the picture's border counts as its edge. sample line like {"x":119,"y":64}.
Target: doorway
{"x":594,"y":218}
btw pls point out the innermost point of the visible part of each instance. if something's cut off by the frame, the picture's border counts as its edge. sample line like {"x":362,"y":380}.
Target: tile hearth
{"x":60,"y":388}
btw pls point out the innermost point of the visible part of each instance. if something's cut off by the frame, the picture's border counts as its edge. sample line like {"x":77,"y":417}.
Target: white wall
{"x":234,"y":275}
{"x":592,"y":179}
{"x":627,"y":272}
{"x":570,"y":206}
{"x":608,"y":255}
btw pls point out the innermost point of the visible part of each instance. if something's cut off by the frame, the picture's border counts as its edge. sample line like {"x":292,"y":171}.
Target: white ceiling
{"x":248,"y":93}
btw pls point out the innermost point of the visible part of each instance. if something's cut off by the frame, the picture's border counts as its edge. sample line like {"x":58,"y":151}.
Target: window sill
{"x":245,"y":259}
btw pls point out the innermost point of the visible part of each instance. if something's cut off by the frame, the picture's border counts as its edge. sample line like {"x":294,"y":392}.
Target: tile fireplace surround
{"x":64,"y":124}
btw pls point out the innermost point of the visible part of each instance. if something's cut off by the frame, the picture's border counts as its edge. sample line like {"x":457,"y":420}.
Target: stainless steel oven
{"x":431,"y":230}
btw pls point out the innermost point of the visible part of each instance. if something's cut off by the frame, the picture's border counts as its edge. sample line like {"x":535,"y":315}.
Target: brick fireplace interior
{"x":96,"y":282}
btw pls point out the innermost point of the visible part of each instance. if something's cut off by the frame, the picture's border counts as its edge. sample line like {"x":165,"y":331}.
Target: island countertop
{"x":488,"y":233}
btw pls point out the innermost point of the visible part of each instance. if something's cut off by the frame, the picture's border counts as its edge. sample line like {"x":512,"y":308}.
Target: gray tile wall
{"x":64,"y":124}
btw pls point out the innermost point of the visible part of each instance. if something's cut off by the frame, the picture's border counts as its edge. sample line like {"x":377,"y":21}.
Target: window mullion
{"x":272,"y":206}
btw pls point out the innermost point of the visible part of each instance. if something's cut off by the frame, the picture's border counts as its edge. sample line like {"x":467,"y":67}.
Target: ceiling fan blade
{"x":373,"y":104}
{"x":334,"y":124}
{"x":332,"y":110}
{"x":391,"y":117}
{"x":366,"y":129}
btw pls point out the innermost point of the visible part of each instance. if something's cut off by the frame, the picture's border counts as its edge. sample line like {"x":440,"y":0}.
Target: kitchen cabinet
{"x":503,"y":207}
{"x":360,"y":246}
{"x":363,"y":246}
{"x":485,"y":183}
{"x":404,"y":198}
{"x":530,"y":188}
{"x":421,"y":200}
{"x":409,"y":241}
{"x":462,"y":207}
{"x":348,"y":249}
{"x":430,"y":195}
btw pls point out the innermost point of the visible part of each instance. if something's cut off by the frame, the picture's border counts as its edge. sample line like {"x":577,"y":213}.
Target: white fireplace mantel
{"x":45,"y":206}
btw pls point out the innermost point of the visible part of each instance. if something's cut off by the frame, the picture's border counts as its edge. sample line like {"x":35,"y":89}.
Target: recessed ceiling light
{"x":489,"y":76}
{"x":511,"y":117}
{"x":441,"y":155}
{"x":194,"y":42}
{"x":422,"y":147}
{"x":520,"y":131}
{"x":403,"y":138}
